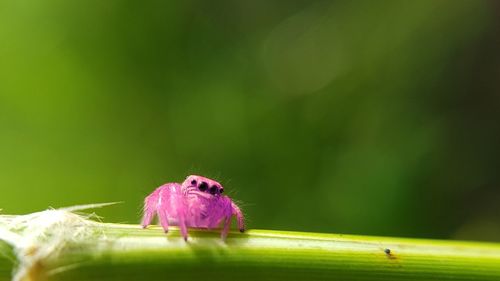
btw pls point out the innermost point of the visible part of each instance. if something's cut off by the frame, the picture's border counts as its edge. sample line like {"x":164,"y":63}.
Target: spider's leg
{"x":150,"y":204}
{"x":225,"y":230}
{"x":163,"y":218}
{"x":228,"y":214}
{"x":164,"y":209}
{"x":183,"y":227}
{"x":239,"y":216}
{"x":179,"y":203}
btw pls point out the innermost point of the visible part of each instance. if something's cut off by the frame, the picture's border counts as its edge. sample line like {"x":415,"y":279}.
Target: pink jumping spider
{"x":197,"y":202}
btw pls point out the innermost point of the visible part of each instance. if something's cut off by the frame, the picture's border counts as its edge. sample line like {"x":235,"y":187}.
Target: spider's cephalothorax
{"x":202,"y":184}
{"x":197,"y":202}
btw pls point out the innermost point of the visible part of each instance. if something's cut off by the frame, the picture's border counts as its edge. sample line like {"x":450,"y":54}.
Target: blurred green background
{"x":363,"y":117}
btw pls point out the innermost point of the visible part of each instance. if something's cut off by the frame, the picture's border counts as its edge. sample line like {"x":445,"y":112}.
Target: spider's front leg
{"x":230,"y":210}
{"x":235,"y":210}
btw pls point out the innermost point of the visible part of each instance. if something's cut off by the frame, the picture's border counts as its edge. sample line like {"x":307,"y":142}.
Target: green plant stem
{"x":7,"y":261}
{"x":131,"y":253}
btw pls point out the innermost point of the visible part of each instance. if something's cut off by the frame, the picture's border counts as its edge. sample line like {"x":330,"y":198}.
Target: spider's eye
{"x":213,"y":189}
{"x":193,"y":182}
{"x":203,"y":186}
{"x":221,"y":190}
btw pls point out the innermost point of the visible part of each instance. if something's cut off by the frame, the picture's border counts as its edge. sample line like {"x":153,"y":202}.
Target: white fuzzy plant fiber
{"x":39,"y":237}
